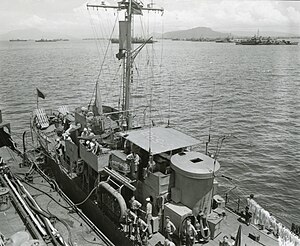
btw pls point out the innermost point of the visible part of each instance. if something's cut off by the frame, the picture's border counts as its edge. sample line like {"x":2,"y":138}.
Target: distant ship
{"x":135,"y":41}
{"x":259,"y":40}
{"x":17,"y":40}
{"x":51,"y":40}
{"x":46,"y":40}
{"x":225,"y":40}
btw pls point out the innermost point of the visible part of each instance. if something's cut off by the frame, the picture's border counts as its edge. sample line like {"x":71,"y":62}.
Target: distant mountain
{"x":197,"y":32}
{"x":31,"y":33}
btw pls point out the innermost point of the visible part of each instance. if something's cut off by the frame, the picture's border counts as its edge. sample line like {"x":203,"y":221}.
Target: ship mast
{"x":128,"y":66}
{"x":131,"y":7}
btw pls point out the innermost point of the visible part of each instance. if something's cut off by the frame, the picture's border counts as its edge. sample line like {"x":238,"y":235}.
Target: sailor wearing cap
{"x":149,"y":215}
{"x":84,"y":133}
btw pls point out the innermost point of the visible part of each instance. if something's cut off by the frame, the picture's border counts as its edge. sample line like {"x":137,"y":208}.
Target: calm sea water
{"x":251,"y":94}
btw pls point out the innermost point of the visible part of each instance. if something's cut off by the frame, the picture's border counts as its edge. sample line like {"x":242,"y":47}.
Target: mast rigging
{"x":131,"y":8}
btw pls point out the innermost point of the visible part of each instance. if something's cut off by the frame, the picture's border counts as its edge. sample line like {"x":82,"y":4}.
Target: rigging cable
{"x":210,"y":120}
{"x":108,"y":35}
{"x":105,"y":55}
{"x":151,"y":62}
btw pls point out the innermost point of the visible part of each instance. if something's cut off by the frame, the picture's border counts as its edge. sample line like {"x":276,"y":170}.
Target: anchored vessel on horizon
{"x":259,"y":40}
{"x":103,"y":160}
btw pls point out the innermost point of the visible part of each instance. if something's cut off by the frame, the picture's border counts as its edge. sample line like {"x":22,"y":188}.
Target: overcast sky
{"x":72,"y":17}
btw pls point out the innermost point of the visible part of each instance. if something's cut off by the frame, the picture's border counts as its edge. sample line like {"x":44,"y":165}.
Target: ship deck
{"x":229,"y":227}
{"x":70,"y":225}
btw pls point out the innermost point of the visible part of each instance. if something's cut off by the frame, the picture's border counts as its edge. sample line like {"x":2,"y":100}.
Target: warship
{"x":18,"y":40}
{"x":105,"y":162}
{"x":258,"y":40}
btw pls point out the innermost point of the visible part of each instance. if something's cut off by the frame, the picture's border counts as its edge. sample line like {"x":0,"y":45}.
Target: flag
{"x":40,"y":94}
{"x":136,"y":8}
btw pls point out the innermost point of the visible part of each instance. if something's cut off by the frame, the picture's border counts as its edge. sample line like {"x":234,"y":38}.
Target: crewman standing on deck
{"x":135,"y":205}
{"x":190,"y":233}
{"x":134,"y":160}
{"x":169,"y":228}
{"x":149,"y":215}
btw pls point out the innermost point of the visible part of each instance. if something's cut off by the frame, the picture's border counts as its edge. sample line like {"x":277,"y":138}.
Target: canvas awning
{"x":162,"y":139}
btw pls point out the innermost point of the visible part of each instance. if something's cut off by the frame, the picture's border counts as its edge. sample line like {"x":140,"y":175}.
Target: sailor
{"x":246,"y":215}
{"x":91,"y":134}
{"x":135,"y":205}
{"x":84,"y":111}
{"x":84,"y":134}
{"x":203,"y":232}
{"x":149,"y":215}
{"x":190,"y":233}
{"x":225,"y":242}
{"x":96,"y":148}
{"x":90,"y":145}
{"x":67,"y":137}
{"x":89,"y":115}
{"x":129,"y":219}
{"x":134,"y":160}
{"x":143,"y":230}
{"x":253,"y":208}
{"x":59,"y":147}
{"x":151,"y":165}
{"x":169,"y":228}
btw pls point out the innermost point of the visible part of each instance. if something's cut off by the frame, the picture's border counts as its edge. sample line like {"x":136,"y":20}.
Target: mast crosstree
{"x":131,"y":8}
